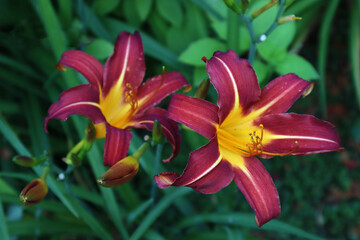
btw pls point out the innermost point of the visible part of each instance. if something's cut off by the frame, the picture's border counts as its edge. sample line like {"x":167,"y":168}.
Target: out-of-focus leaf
{"x":246,"y":220}
{"x":199,"y":75}
{"x":244,"y":37}
{"x":203,"y":47}
{"x":100,"y":49}
{"x":170,"y":11}
{"x":272,"y":54}
{"x":143,"y":8}
{"x":6,"y":188}
{"x":298,"y":65}
{"x":48,"y":227}
{"x":282,"y":36}
{"x":261,"y":70}
{"x":103,"y":7}
{"x":263,"y":21}
{"x":3,"y":226}
{"x":131,"y":13}
{"x":94,"y":23}
{"x":157,"y":210}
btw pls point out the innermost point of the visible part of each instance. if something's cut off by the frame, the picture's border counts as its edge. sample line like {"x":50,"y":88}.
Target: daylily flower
{"x":246,"y":122}
{"x":115,"y":99}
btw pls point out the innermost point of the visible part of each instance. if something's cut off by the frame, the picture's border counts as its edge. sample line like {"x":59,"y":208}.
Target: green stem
{"x":323,"y":47}
{"x":75,"y":149}
{"x":158,"y":154}
{"x":145,"y":146}
{"x":45,"y":172}
{"x":278,"y":15}
{"x":233,"y":30}
{"x":250,"y":27}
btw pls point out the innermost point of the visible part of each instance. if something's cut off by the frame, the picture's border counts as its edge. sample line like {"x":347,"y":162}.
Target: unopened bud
{"x":289,"y":18}
{"x":25,"y":161}
{"x":203,"y":89}
{"x":120,"y":173}
{"x":34,"y":192}
{"x":157,"y":132}
{"x":231,"y":4}
{"x":90,"y":133}
{"x":264,"y":8}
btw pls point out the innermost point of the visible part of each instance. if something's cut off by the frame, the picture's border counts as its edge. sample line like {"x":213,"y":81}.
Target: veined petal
{"x":298,"y":134}
{"x":197,"y":114}
{"x":116,"y":146}
{"x":81,"y":100}
{"x":259,"y":190}
{"x":126,"y":65}
{"x":155,"y":89}
{"x":169,"y":127}
{"x":235,"y":82}
{"x":279,"y":95}
{"x":85,"y":64}
{"x":205,"y":171}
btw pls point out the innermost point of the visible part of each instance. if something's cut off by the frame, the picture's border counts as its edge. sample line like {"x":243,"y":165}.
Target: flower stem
{"x":159,"y":148}
{"x":145,"y":146}
{"x":45,"y":172}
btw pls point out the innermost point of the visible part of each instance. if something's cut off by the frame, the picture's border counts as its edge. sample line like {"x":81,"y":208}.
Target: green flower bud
{"x":120,"y":173}
{"x":203,"y":89}
{"x":25,"y":161}
{"x":34,"y":192}
{"x":157,"y":132}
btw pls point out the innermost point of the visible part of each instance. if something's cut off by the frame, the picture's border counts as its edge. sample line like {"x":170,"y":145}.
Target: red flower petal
{"x":197,"y":114}
{"x":280,"y":94}
{"x":126,"y":64}
{"x":205,"y":172}
{"x":284,"y":129}
{"x":234,"y":80}
{"x":85,"y":64}
{"x":169,"y":127}
{"x":116,"y":146}
{"x":155,"y":89}
{"x":81,"y":100}
{"x":259,"y":190}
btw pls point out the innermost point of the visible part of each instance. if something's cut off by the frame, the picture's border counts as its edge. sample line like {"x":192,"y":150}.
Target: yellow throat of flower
{"x":247,"y":143}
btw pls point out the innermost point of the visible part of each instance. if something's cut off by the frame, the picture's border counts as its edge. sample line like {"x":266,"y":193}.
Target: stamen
{"x":257,"y":148}
{"x":130,"y":97}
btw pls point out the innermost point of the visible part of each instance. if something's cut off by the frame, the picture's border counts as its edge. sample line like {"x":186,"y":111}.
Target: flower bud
{"x":120,"y":173}
{"x":203,"y":89}
{"x":34,"y":192}
{"x":25,"y":161}
{"x":231,"y":4}
{"x":264,"y":8}
{"x":289,"y":18}
{"x":157,"y":132}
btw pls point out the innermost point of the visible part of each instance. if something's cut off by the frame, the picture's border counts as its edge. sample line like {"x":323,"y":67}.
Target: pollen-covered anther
{"x":130,"y":97}
{"x":60,"y":67}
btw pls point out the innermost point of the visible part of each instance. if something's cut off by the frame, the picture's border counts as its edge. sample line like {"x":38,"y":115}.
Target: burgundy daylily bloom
{"x":115,"y":99}
{"x":246,"y":122}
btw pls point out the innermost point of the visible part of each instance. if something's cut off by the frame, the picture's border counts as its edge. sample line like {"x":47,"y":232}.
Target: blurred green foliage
{"x":319,"y":194}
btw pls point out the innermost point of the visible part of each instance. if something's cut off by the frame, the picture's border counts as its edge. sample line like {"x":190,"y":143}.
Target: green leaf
{"x":264,"y":21}
{"x":244,"y":37}
{"x":202,"y":47}
{"x":100,"y":49}
{"x":170,"y":11}
{"x":131,"y":13}
{"x":261,"y":70}
{"x":103,"y":7}
{"x":271,"y":53}
{"x":199,"y":75}
{"x":282,"y":36}
{"x":143,"y":8}
{"x":3,"y":226}
{"x":157,"y":210}
{"x":246,"y":220}
{"x":298,"y":65}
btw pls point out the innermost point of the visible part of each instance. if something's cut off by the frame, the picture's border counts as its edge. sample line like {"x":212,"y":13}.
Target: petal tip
{"x":165,"y":179}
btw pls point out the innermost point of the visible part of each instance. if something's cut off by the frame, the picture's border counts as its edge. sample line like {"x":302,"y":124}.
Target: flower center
{"x":247,"y":144}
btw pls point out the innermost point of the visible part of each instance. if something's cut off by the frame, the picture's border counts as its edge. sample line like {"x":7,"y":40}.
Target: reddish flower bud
{"x":120,"y":173}
{"x":34,"y":192}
